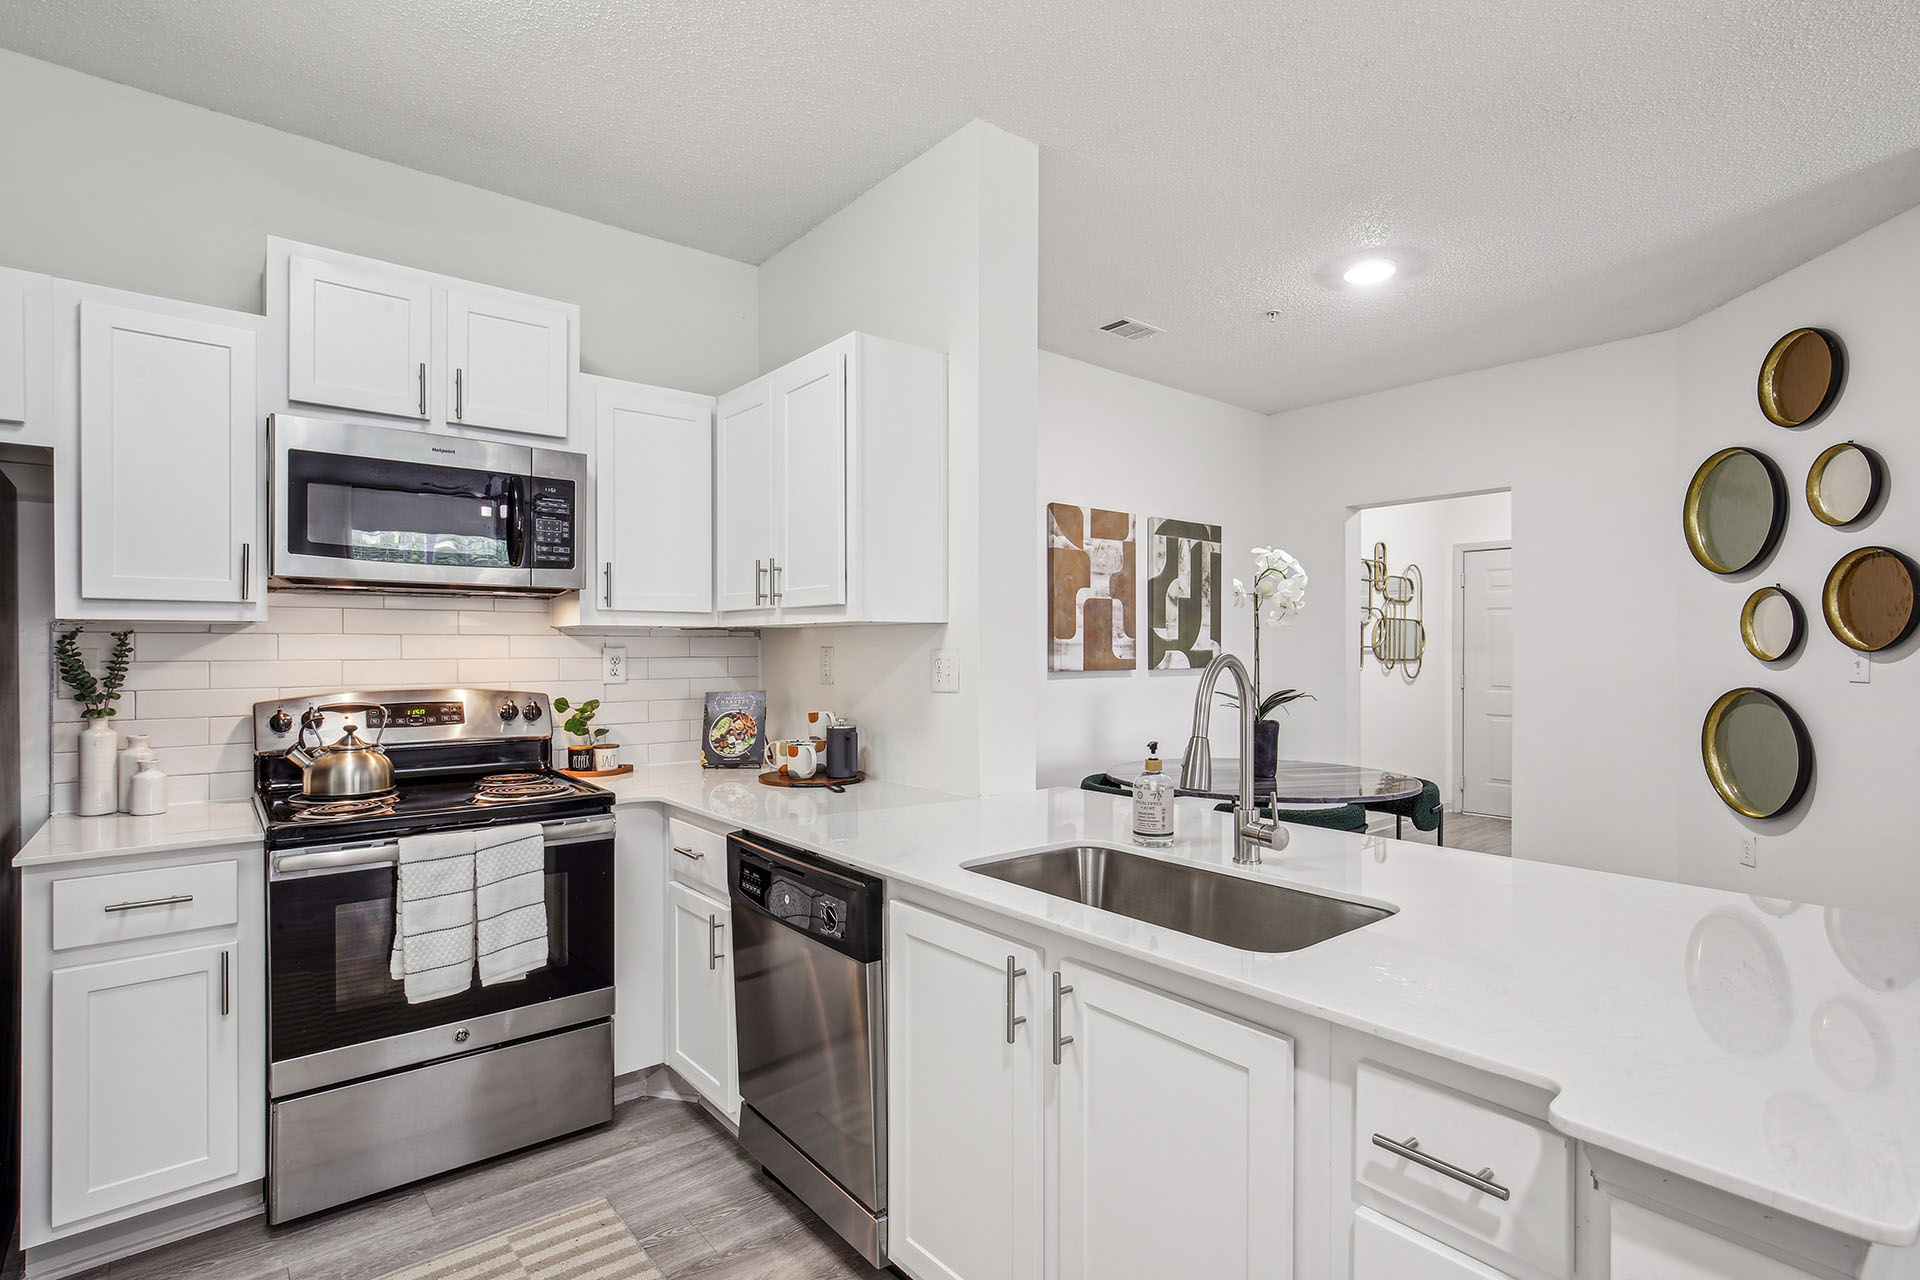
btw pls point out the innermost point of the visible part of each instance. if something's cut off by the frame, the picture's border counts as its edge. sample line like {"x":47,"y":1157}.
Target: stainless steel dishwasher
{"x":809,"y":997}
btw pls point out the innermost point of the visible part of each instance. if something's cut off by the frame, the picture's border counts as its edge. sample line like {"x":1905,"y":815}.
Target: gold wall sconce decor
{"x":1845,"y":483}
{"x":1869,"y":599}
{"x":1735,"y":511}
{"x":1393,"y":630}
{"x":1772,"y":624}
{"x":1757,"y":753}
{"x":1801,"y":376}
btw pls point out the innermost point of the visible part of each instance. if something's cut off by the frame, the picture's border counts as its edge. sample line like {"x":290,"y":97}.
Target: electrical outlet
{"x":1750,"y":851}
{"x":946,"y":671}
{"x":1862,"y":669}
{"x":613,"y":665}
{"x":826,"y":664}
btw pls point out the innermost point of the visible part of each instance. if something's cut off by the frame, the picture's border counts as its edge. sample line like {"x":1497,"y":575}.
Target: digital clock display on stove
{"x":399,"y":715}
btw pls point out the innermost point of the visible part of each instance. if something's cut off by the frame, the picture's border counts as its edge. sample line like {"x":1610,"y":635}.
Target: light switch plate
{"x":613,"y":665}
{"x":946,"y":671}
{"x":826,"y":664}
{"x":1862,"y":669}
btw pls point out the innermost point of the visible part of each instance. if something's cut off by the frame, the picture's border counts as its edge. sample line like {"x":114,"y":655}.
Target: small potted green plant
{"x":96,"y":696}
{"x":588,"y":751}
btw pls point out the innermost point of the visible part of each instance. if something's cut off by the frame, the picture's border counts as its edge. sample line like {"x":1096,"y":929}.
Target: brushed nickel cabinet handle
{"x":609,"y":572}
{"x":226,"y":983}
{"x":695,"y":854}
{"x":773,"y":582}
{"x":713,"y":951}
{"x":1013,"y":974}
{"x":173,"y":901}
{"x":1059,"y":1041}
{"x":1410,"y":1150}
{"x":246,"y":571}
{"x":759,"y":582}
{"x":423,"y":388}
{"x":459,"y":395}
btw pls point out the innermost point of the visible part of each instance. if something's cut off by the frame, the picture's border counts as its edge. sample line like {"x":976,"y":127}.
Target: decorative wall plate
{"x":1844,"y":484}
{"x":1801,"y":376}
{"x":1757,"y":753}
{"x":1772,"y":624}
{"x":1736,"y":507}
{"x":1868,"y":599}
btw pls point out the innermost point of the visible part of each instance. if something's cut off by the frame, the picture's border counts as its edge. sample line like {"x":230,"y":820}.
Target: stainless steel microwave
{"x":372,"y":508}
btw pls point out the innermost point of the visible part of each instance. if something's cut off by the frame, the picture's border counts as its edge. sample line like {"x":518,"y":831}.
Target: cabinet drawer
{"x":1473,"y":1140}
{"x":1385,"y":1250}
{"x":1647,"y":1246}
{"x":697,"y":857}
{"x":90,"y":910}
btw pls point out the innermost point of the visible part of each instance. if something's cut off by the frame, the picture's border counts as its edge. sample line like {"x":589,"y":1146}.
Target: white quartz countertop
{"x":67,"y":838}
{"x":1766,"y":1048}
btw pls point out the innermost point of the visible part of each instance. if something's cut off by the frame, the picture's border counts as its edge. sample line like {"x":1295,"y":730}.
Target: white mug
{"x":793,"y":756}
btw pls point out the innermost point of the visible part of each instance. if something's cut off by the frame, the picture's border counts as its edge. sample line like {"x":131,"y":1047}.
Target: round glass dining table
{"x":1295,"y":782}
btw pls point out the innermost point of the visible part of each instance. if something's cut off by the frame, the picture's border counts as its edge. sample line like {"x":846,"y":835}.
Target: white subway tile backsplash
{"x":192,"y":686}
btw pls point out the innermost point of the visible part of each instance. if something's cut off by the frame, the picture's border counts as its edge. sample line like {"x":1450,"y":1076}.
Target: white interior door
{"x":167,"y":482}
{"x":701,"y":1044}
{"x":964,"y":1100}
{"x":653,"y":494}
{"x":358,"y":337}
{"x":810,"y":507}
{"x":1486,"y":680}
{"x":507,"y":365}
{"x":743,"y":497}
{"x":145,"y":1078}
{"x":1158,"y":1179}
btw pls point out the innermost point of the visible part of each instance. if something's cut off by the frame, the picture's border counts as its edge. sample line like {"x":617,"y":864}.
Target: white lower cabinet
{"x":1385,"y":1250}
{"x":145,"y":1067}
{"x":701,"y":1041}
{"x":1650,"y":1246}
{"x":1174,"y":1124}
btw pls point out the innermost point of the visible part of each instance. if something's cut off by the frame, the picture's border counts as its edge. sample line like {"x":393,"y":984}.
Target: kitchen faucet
{"x":1250,"y":829}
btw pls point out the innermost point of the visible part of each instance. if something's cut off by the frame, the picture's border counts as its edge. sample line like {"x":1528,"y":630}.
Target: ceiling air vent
{"x":1131,"y":330}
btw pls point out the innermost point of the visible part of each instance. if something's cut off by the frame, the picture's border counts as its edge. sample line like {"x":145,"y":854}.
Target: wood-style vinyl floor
{"x":696,"y":1204}
{"x":1464,"y":831}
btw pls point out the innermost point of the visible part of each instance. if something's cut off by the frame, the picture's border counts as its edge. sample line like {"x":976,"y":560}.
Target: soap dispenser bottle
{"x":1153,"y":804}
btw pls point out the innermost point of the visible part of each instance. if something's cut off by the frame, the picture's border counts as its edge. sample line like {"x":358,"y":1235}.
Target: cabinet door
{"x":1385,"y":1250}
{"x":964,"y":1100}
{"x":145,"y":1079}
{"x":507,"y":364}
{"x":653,"y":490}
{"x":701,"y":1043}
{"x":1176,"y":1138}
{"x":810,"y":498}
{"x":743,"y":497}
{"x":358,"y":337}
{"x":1647,"y":1246}
{"x":167,"y":482}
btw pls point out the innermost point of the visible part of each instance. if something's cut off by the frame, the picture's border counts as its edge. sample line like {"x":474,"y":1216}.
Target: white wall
{"x":33,"y":562}
{"x":117,"y":187}
{"x":1113,"y":441}
{"x":1407,"y":724}
{"x":944,"y":254}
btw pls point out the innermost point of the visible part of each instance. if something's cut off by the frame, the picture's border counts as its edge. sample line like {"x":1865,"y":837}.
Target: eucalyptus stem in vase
{"x":1277,"y":594}
{"x":96,"y":695}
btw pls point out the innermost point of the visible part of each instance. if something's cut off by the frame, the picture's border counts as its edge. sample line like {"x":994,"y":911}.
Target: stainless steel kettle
{"x":347,"y":770}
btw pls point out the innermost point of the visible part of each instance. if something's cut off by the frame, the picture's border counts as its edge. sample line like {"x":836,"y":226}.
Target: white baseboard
{"x":96,"y":1248}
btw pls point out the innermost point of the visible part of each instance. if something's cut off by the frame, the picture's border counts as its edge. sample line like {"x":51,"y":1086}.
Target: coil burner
{"x":509,"y":788}
{"x":305,"y":810}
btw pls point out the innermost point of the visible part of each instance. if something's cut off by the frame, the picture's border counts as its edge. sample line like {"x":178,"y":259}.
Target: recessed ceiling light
{"x":1368,"y":272}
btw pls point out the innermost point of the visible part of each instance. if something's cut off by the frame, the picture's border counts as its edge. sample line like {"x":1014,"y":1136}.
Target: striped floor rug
{"x":586,"y":1242}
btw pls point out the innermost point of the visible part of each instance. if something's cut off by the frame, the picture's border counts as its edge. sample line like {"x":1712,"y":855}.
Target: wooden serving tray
{"x":598,"y":773}
{"x":817,"y":780}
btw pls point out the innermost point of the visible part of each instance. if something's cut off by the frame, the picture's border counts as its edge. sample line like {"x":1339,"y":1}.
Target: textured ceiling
{"x":1572,"y":170}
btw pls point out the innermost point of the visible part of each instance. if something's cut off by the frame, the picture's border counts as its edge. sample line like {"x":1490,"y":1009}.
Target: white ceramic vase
{"x":99,"y":789}
{"x":138,"y":751}
{"x":149,"y":792}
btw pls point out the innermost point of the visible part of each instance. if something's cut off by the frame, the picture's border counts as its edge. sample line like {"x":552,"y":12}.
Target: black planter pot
{"x":1266,"y":747}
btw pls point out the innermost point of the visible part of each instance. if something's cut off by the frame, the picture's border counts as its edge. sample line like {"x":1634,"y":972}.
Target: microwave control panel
{"x":553,"y":523}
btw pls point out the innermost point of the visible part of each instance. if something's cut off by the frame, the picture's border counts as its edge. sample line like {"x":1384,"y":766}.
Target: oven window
{"x":331,"y":946}
{"x":403,"y":512}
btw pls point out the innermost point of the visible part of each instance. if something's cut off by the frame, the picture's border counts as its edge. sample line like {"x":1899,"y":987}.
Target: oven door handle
{"x":355,"y":857}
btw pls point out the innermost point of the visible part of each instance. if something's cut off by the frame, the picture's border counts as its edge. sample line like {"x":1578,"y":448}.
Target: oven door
{"x":375,"y":505}
{"x":336,"y":1013}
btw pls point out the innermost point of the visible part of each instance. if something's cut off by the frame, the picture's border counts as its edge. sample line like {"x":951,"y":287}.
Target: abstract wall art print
{"x":1091,"y":579}
{"x":1183,"y":594}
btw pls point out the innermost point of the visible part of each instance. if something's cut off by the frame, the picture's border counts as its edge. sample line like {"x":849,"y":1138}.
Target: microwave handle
{"x":517,"y":522}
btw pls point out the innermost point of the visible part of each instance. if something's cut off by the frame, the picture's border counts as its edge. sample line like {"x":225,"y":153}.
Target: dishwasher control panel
{"x":836,"y":905}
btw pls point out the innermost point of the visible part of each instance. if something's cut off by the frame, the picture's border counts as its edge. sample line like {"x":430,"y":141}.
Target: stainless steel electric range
{"x":367,"y":1091}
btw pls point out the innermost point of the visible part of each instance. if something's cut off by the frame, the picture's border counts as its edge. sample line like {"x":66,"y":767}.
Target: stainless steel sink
{"x":1236,"y":911}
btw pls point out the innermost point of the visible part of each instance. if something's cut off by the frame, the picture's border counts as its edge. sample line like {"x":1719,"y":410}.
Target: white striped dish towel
{"x":433,"y":915}
{"x":510,"y":895}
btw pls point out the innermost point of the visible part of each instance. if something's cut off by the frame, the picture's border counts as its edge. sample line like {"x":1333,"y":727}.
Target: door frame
{"x":1461,"y":550}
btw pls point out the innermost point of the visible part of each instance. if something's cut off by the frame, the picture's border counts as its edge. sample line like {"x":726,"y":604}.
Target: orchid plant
{"x":1278,"y":594}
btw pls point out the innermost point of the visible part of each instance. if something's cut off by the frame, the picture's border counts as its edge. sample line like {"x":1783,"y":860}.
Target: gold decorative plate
{"x":1868,"y":599}
{"x":1772,"y":624}
{"x":1844,"y":484}
{"x":1800,"y":378}
{"x":1757,"y":753}
{"x":1736,"y":507}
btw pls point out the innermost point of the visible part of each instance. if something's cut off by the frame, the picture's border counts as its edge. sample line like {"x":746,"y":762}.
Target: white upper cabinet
{"x":508,"y":364}
{"x":744,"y":487}
{"x":831,"y":488}
{"x":167,"y":497}
{"x":652,"y":499}
{"x":359,"y":336}
{"x":26,"y":362}
{"x":371,"y":337}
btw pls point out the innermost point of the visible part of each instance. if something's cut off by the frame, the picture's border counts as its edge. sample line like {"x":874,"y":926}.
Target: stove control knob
{"x":280,"y":722}
{"x":532,"y":711}
{"x":310,"y":719}
{"x":508,"y":712}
